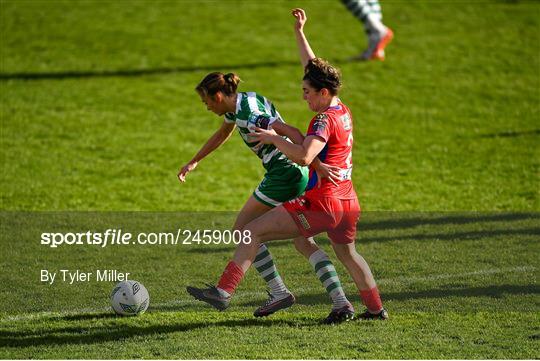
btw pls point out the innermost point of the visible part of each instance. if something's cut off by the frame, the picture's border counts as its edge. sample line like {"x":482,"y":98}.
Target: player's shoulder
{"x":319,"y":123}
{"x":329,"y":115}
{"x":254,"y":96}
{"x":320,"y":118}
{"x":336,"y":117}
{"x":254,"y":102}
{"x":340,"y":113}
{"x":337,"y":110}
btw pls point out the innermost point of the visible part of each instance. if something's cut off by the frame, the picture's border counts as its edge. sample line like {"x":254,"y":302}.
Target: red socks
{"x":372,"y":299}
{"x":231,"y":277}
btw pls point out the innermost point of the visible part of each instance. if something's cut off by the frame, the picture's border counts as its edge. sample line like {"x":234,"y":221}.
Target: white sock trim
{"x":317,"y":257}
{"x":223,"y":292}
{"x":373,"y":22}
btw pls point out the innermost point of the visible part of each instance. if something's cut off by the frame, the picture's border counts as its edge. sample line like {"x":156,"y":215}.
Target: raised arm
{"x":303,"y":45}
{"x":217,"y":139}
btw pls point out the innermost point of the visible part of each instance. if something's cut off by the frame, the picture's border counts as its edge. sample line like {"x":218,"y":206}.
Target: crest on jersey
{"x":320,"y":123}
{"x":346,"y":121}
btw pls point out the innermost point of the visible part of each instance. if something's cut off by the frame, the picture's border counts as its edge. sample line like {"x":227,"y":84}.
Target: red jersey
{"x":335,"y":126}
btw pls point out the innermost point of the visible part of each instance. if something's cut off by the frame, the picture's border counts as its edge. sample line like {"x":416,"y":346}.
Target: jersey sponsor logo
{"x":346,"y":121}
{"x":303,"y":221}
{"x":320,"y":123}
{"x":259,"y":120}
{"x":345,"y":174}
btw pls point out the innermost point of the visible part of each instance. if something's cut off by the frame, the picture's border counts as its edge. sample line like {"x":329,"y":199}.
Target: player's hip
{"x":315,"y":214}
{"x":281,"y":184}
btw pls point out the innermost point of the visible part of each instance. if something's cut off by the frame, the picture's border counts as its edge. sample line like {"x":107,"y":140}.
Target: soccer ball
{"x":129,"y":298}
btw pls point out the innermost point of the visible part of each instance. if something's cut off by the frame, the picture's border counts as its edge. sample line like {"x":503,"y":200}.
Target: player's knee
{"x":250,"y":236}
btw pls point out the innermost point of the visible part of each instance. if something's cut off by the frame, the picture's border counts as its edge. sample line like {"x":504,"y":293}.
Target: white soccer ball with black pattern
{"x":129,"y":298}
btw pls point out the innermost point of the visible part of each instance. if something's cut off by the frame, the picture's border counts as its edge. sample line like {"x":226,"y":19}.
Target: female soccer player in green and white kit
{"x":284,"y":180}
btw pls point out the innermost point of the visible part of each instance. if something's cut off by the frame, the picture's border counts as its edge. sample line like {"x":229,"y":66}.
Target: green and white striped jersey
{"x":254,"y":110}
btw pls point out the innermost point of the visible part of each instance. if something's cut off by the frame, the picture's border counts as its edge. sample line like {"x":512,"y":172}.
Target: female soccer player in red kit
{"x":333,"y":206}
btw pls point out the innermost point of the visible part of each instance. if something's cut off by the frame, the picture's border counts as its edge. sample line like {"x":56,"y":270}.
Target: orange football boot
{"x":378,"y":54}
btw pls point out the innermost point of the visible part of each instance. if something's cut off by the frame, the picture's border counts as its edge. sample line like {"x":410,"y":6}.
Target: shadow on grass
{"x":488,"y":291}
{"x":76,"y":334}
{"x":444,"y":228}
{"x":456,"y":236}
{"x":399,"y":221}
{"x":153,"y":71}
{"x":511,"y":134}
{"x":141,"y":72}
{"x":116,"y":332}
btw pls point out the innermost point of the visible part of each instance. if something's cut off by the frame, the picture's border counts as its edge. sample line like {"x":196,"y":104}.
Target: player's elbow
{"x":305,"y":160}
{"x":302,"y":162}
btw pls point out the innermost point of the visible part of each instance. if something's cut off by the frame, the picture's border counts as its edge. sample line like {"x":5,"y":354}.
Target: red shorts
{"x":314,"y":215}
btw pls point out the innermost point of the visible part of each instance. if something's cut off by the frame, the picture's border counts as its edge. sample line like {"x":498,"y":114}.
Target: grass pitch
{"x":98,"y":113}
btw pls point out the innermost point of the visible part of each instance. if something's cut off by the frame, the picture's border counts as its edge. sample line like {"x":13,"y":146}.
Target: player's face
{"x":316,"y":101}
{"x":214,"y":104}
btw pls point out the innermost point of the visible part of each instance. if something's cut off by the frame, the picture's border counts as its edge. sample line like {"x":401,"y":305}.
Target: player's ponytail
{"x":321,"y":74}
{"x":218,"y":82}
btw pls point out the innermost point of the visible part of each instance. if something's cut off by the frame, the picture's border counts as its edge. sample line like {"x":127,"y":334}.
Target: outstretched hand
{"x":301,"y":18}
{"x":185,"y":170}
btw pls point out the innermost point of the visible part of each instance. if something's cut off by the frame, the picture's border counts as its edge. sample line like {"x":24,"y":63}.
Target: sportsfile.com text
{"x":119,"y":237}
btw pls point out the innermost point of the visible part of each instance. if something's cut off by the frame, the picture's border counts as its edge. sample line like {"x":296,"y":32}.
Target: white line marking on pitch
{"x":458,"y":275}
{"x":397,"y":280}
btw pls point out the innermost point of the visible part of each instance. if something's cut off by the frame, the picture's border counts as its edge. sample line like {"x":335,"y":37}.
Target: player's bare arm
{"x":323,"y":170}
{"x":217,"y":139}
{"x":303,"y":45}
{"x":294,"y":134}
{"x":302,"y":154}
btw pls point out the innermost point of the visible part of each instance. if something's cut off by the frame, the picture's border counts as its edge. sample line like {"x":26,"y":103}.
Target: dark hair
{"x":320,"y":74}
{"x":218,"y":82}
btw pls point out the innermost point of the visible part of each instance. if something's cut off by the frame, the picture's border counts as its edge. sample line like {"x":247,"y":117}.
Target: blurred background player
{"x":284,"y":180}
{"x":370,"y":14}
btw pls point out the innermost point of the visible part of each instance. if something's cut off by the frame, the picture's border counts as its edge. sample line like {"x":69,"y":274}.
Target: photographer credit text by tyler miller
{"x":73,"y":276}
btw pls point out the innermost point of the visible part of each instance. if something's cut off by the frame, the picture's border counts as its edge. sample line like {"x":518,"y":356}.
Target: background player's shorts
{"x":314,"y":215}
{"x":282,"y":183}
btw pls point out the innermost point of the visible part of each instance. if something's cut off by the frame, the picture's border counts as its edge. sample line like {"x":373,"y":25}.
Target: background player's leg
{"x":370,"y":14}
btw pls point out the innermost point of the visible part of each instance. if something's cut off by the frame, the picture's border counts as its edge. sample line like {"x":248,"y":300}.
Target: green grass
{"x":449,"y":122}
{"x":470,"y":293}
{"x":98,"y":113}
